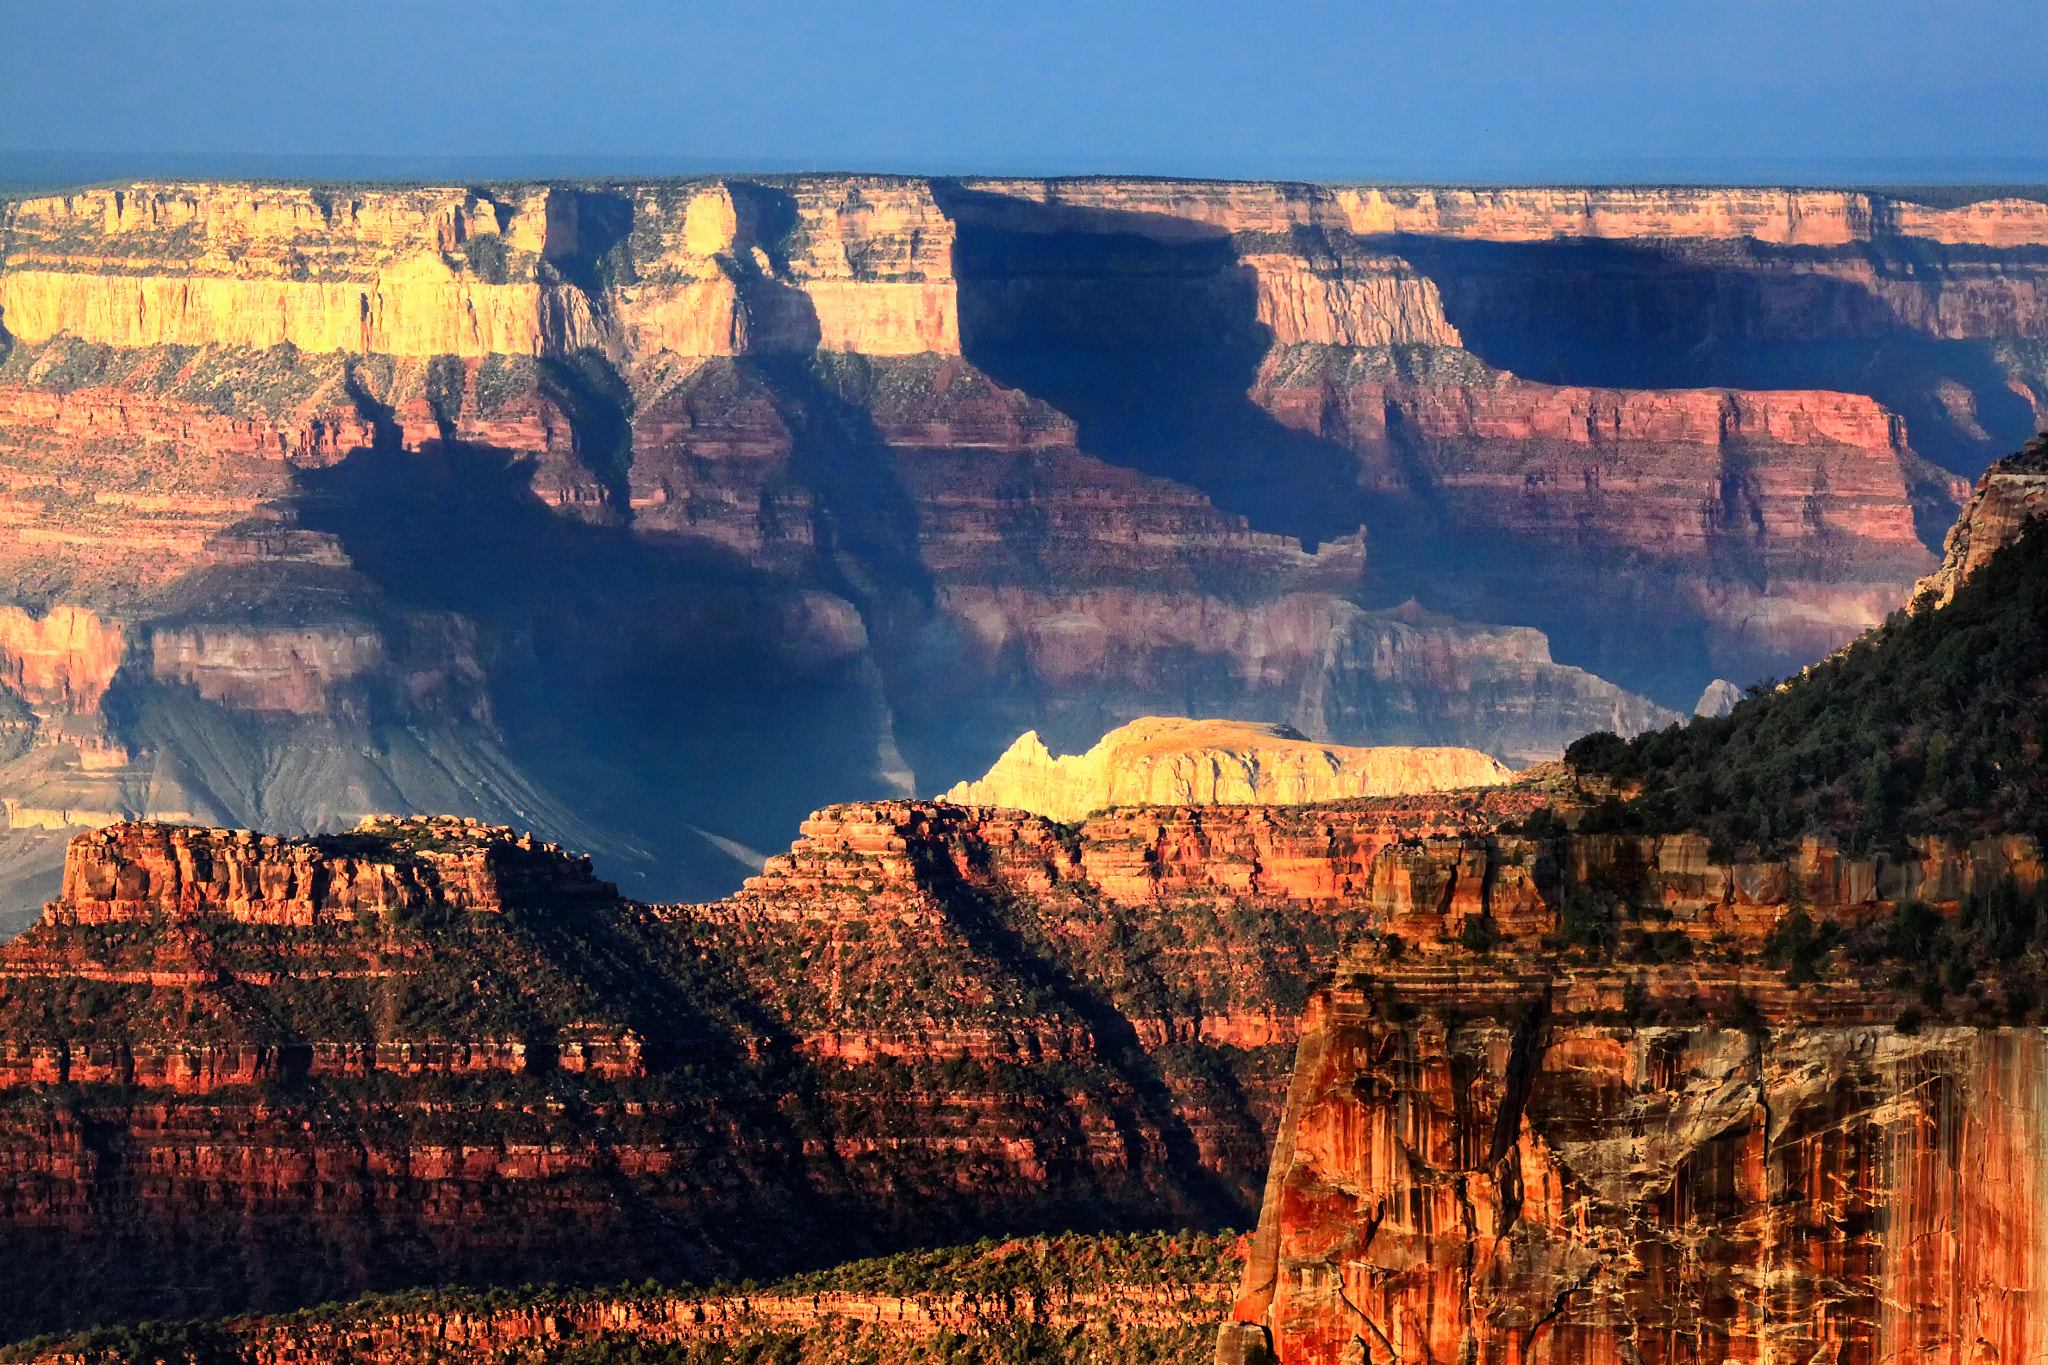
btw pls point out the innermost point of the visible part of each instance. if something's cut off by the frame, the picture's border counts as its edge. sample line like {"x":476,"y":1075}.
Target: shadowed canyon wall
{"x":654,"y":516}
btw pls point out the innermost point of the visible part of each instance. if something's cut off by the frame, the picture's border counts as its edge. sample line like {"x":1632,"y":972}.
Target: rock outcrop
{"x":1527,"y":1181}
{"x":2011,"y":495}
{"x":1166,"y":761}
{"x":135,"y":872}
{"x":447,"y":1050}
{"x":1719,"y":698}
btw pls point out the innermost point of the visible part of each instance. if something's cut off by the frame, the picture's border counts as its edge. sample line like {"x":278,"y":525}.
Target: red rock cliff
{"x":1532,"y":1155}
{"x":986,"y":1020}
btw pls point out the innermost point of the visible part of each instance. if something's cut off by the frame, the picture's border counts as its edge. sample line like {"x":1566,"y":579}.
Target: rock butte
{"x":1170,"y":761}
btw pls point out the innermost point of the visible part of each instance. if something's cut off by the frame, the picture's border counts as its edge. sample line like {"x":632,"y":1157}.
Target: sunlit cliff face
{"x":683,"y":509}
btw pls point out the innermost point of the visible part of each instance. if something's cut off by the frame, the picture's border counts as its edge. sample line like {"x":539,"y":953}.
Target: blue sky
{"x":1295,"y":87}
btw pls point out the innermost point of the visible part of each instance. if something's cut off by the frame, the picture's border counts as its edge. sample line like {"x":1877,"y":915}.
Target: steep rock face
{"x":923,"y":1017}
{"x":1532,"y":1154}
{"x":1567,"y":1189}
{"x":136,"y":871}
{"x":1775,"y":216}
{"x":1803,"y":503}
{"x":1071,"y":594}
{"x":2011,"y":494}
{"x":852,"y":263}
{"x":1064,"y":593}
{"x":875,"y":1038}
{"x":421,"y":273}
{"x":1160,"y":761}
{"x":68,"y":657}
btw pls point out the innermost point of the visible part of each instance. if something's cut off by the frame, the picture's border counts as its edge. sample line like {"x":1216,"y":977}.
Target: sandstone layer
{"x":1166,"y":761}
{"x":876,"y":472}
{"x":1780,"y":217}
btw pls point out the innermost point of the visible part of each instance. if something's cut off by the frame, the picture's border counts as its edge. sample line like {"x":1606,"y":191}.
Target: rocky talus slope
{"x":1172,"y":761}
{"x":833,"y":482}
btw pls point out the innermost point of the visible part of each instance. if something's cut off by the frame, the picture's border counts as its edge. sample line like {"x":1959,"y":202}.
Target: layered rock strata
{"x":1508,"y":1147}
{"x":876,"y":470}
{"x":447,"y":1052}
{"x":441,"y":1052}
{"x":1779,"y":217}
{"x":135,"y":872}
{"x":1169,"y":761}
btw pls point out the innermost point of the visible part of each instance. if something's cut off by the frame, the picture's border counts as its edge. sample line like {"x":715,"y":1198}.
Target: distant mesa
{"x":145,"y":871}
{"x":1174,"y":761}
{"x":1718,"y":700}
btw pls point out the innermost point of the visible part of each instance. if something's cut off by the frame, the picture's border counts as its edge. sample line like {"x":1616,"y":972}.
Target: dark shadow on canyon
{"x":1143,"y":329}
{"x":584,"y":245}
{"x":1747,"y":315}
{"x":646,"y":685}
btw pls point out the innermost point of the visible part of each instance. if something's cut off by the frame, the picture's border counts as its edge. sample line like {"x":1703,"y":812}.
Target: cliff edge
{"x":1172,"y":761}
{"x":2012,"y":493}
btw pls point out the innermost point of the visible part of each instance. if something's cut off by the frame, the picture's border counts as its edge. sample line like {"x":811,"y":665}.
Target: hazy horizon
{"x":1822,"y":92}
{"x":33,"y":170}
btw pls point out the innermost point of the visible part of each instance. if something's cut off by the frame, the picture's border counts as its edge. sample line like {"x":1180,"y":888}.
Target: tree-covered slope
{"x":1930,"y":725}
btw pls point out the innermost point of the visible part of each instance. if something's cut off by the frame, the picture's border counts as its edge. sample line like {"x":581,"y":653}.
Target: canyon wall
{"x":1778,"y":217}
{"x":409,"y":1054}
{"x":837,"y":483}
{"x":1815,"y":1182}
{"x":428,"y":1051}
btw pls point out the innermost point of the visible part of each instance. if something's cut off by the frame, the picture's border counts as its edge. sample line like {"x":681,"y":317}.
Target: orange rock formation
{"x":136,"y":871}
{"x":986,"y":1017}
{"x":1450,"y":1181}
{"x":1160,"y":761}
